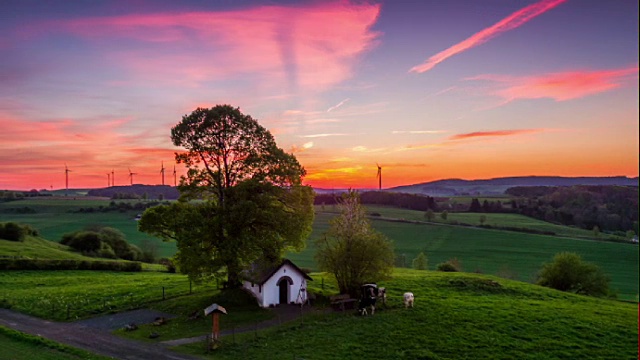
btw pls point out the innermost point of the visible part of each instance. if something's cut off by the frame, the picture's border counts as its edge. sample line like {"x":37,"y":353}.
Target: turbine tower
{"x":175,"y":183}
{"x":108,"y":179}
{"x":131,"y":176}
{"x":66,"y":179}
{"x":113,"y":178}
{"x":379,"y":176}
{"x":162,"y":171}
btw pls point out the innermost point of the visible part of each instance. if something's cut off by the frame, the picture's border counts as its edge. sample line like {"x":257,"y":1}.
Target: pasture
{"x":507,"y":254}
{"x":70,"y":295}
{"x":56,"y":217}
{"x":456,"y":316}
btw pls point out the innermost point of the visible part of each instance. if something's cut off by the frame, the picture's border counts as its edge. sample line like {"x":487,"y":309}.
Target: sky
{"x":427,"y":89}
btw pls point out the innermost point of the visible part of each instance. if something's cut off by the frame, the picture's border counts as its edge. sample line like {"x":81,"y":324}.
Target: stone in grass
{"x":159,"y":321}
{"x":153,"y":335}
{"x":130,"y":327}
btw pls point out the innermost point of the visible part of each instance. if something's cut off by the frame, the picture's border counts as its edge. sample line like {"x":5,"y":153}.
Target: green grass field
{"x":39,"y":248}
{"x":15,"y":345}
{"x":70,"y":295}
{"x":54,"y":219}
{"x":507,"y":254}
{"x":456,"y":316}
{"x":495,"y":220}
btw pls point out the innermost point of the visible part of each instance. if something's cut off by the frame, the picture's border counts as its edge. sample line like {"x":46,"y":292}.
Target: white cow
{"x":408,"y":299}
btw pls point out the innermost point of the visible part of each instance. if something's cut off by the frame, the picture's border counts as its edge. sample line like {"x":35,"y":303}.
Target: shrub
{"x":446,"y":267}
{"x":451,"y":265}
{"x":12,"y":232}
{"x":568,"y":272}
{"x":42,"y":264}
{"x":420,"y":262}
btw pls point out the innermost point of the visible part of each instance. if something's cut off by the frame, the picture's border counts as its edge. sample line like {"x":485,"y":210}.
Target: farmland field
{"x":508,"y":254}
{"x":68,"y":295}
{"x":456,"y":316}
{"x":56,"y":217}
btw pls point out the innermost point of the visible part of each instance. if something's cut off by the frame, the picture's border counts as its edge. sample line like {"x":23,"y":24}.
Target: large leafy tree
{"x":353,"y":251}
{"x":251,"y":205}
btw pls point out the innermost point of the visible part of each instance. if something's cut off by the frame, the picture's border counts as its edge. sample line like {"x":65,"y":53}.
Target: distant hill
{"x":497,"y":186}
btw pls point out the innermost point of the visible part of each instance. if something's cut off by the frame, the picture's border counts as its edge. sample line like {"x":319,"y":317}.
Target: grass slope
{"x":39,"y":248}
{"x":457,"y":316}
{"x":507,"y":254}
{"x":496,"y":220}
{"x":19,"y":346}
{"x":53,"y":218}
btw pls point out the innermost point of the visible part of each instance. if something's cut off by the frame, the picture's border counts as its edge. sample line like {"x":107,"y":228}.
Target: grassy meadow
{"x":56,"y":217}
{"x":39,"y":248}
{"x":71,"y":295}
{"x":507,"y":254}
{"x":456,"y":316}
{"x":513,"y":255}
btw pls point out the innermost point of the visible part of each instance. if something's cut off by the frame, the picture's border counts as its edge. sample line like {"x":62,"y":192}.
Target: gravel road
{"x":92,"y":339}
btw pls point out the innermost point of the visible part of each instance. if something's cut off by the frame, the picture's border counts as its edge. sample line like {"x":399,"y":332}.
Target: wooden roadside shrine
{"x":215,"y":310}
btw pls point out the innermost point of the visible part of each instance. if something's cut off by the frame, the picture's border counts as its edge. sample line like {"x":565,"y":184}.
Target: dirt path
{"x":94,"y":334}
{"x":92,"y":339}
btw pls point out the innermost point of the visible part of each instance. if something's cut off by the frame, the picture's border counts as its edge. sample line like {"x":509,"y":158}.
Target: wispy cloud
{"x":321,"y":135}
{"x":512,"y":21}
{"x":482,"y":134}
{"x":560,"y":86}
{"x":296,"y":48}
{"x":365,"y":149}
{"x":338,"y":105}
{"x":418,"y":131}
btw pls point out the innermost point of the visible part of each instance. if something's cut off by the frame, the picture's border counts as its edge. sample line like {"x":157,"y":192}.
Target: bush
{"x":420,"y":262}
{"x":12,"y":232}
{"x":568,"y":272}
{"x":42,"y":264}
{"x":446,"y":267}
{"x":451,"y":265}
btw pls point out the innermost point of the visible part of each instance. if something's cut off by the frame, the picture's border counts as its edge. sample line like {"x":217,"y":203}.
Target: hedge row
{"x":45,"y":264}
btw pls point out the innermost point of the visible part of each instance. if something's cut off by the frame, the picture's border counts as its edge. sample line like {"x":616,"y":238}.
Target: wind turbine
{"x":174,"y":176}
{"x":113,"y":178}
{"x":108,"y":179}
{"x":379,"y":176}
{"x":131,"y":175}
{"x":66,"y":179}
{"x":162,"y":171}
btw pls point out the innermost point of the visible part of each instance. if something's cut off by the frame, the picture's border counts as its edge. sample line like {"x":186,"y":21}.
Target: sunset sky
{"x":427,"y":89}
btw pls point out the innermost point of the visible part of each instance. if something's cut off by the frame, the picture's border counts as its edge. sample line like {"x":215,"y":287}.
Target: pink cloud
{"x":33,"y":154}
{"x":560,"y":86}
{"x":308,"y":47}
{"x":494,"y":133}
{"x":512,"y":21}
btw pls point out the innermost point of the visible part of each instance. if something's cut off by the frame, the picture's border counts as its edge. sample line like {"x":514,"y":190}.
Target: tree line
{"x":611,"y":208}
{"x":400,"y":200}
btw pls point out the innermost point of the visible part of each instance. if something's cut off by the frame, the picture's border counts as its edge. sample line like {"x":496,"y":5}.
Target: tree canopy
{"x":252,"y":206}
{"x":568,"y":272}
{"x":353,"y":251}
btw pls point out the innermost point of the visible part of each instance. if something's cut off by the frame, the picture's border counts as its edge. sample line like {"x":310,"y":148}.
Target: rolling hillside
{"x":497,"y":186}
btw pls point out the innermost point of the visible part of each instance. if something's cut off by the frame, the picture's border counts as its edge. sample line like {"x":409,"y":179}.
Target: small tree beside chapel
{"x":351,"y":250}
{"x":251,"y":204}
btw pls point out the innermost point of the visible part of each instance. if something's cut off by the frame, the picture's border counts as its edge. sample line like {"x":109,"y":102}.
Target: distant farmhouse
{"x":275,"y":285}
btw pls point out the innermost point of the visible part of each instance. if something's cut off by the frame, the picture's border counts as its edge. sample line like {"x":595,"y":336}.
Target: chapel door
{"x":283,"y":287}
